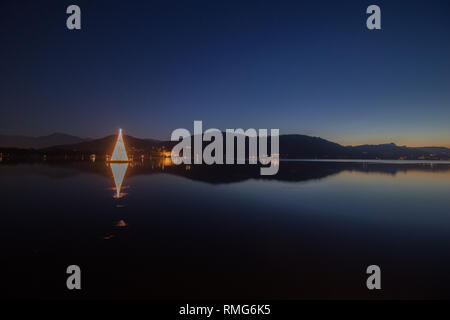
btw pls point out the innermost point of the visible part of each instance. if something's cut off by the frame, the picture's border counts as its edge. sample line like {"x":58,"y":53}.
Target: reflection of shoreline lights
{"x":167,"y":162}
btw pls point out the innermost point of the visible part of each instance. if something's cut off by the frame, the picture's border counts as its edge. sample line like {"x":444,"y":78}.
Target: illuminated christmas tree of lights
{"x":119,"y":153}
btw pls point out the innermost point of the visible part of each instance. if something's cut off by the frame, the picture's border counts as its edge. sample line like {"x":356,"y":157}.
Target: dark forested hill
{"x":24,"y":142}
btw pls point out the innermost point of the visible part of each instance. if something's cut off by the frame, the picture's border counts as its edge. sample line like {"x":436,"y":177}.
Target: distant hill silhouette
{"x":292,"y":146}
{"x":106,"y":145}
{"x":25,"y":142}
{"x":392,"y":151}
{"x":301,"y":146}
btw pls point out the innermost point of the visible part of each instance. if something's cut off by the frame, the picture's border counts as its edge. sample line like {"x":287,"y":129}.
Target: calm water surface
{"x":220,"y":232}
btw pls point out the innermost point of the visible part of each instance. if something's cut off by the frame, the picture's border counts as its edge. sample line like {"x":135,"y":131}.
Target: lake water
{"x":225,"y":232}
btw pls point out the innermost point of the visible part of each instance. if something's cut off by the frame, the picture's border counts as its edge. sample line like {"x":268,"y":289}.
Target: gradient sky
{"x":308,"y":67}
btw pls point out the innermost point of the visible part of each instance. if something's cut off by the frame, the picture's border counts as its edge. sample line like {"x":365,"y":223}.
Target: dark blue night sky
{"x":309,"y":67}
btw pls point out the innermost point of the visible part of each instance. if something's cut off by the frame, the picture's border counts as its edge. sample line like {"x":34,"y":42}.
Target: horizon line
{"x":281,"y":134}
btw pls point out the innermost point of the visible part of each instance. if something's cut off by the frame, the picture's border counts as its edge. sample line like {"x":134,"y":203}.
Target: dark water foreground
{"x":225,"y":232}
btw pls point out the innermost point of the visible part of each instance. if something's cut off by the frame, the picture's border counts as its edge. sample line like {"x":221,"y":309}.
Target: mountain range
{"x":25,"y":142}
{"x":292,"y":146}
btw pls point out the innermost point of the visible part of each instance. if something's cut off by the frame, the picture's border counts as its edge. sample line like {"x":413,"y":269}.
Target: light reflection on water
{"x":118,"y":170}
{"x":307,"y":232}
